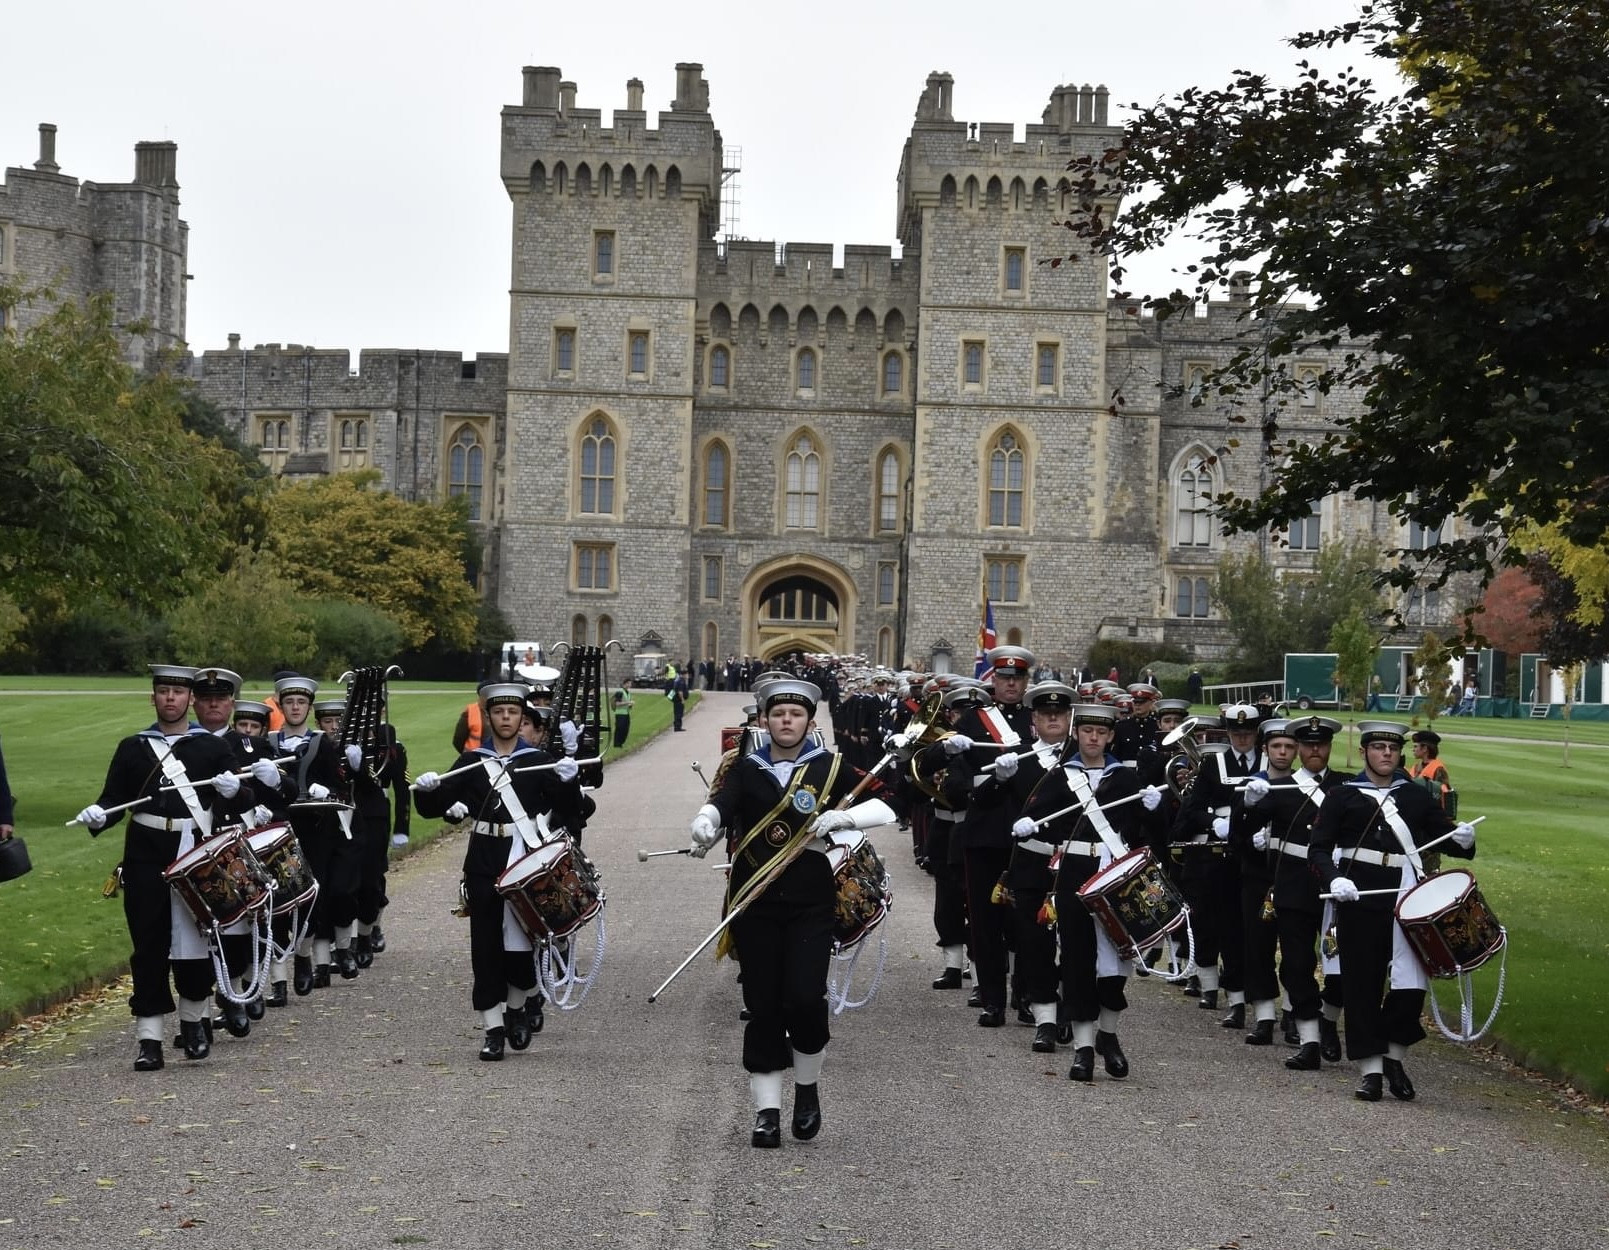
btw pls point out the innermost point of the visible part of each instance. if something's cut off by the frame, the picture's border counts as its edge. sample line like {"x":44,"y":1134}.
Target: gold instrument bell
{"x":928,"y":717}
{"x":1181,"y":769}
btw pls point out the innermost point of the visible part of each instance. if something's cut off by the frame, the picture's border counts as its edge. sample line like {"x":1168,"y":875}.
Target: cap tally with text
{"x":496,"y":692}
{"x":788,"y":690}
{"x":1050,"y":696}
{"x":172,"y":675}
{"x":1381,"y":731}
{"x":295,"y":684}
{"x":1011,"y":659}
{"x":1240,"y":716}
{"x":1178,"y":706}
{"x":972,"y":694}
{"x":1315,"y":728}
{"x":250,"y":709}
{"x":1094,"y":714}
{"x":329,"y":707}
{"x":1276,"y":728}
{"x":216,"y":681}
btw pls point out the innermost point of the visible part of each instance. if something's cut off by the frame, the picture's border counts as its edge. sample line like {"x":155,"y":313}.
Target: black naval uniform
{"x":944,"y":855}
{"x":1210,"y":876}
{"x":373,"y":825}
{"x":326,"y":841}
{"x":1352,"y":820}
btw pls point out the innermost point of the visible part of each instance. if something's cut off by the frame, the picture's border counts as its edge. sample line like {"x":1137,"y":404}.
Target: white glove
{"x":1005,"y":767}
{"x":706,"y":827}
{"x":1259,"y":840}
{"x":571,"y":736}
{"x":1335,"y":857}
{"x":957,"y":744}
{"x":1023,"y":828}
{"x":1256,"y":791}
{"x":399,"y":839}
{"x":1150,"y":798}
{"x":354,"y":756}
{"x":261,"y":815}
{"x":226,"y":785}
{"x":92,"y":817}
{"x":1344,"y":890}
{"x":831,"y":822}
{"x":266,"y":773}
{"x":698,"y":849}
{"x":898,"y":742}
{"x":1463,"y":835}
{"x":456,"y":812}
{"x":566,"y":769}
{"x":1220,"y":827}
{"x":318,"y":792}
{"x":427,"y":781}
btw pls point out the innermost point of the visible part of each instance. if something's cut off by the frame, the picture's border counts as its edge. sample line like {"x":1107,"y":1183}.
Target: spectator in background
{"x":678,"y":700}
{"x":7,"y":808}
{"x":1194,"y":682}
{"x":1375,"y":687}
{"x":621,"y":704}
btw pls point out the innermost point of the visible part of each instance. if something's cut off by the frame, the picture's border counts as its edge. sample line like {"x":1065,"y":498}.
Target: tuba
{"x":1181,"y":770}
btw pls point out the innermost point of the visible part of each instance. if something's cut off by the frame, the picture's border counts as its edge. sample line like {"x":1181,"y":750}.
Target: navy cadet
{"x":1378,"y":821}
{"x":1249,"y":840}
{"x":500,"y":790}
{"x":162,"y":772}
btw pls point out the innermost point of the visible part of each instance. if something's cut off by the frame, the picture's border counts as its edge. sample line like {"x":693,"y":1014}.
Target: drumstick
{"x":414,"y":785}
{"x":146,"y":798}
{"x":1421,"y":850}
{"x":1079,"y":807}
{"x":1016,"y":755}
{"x":644,"y":856}
{"x":544,"y":768}
{"x":242,"y":774}
{"x":1395,"y":889}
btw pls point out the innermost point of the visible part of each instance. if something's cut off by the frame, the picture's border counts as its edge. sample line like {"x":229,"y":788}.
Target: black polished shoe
{"x":1208,"y":1000}
{"x":1045,"y":1039}
{"x":1329,"y":1039}
{"x":255,"y":1009}
{"x":517,"y":1024}
{"x":277,"y":996}
{"x":1287,"y":1027}
{"x":321,"y":977}
{"x":150,"y":1057}
{"x":1025,"y":1016}
{"x":1083,"y":1068}
{"x":1236,"y":1019}
{"x":491,"y":1047}
{"x":992,"y":1017}
{"x":1397,"y":1081}
{"x":949,"y":979}
{"x":975,"y":999}
{"x":806,"y":1111}
{"x":743,"y":1013}
{"x":1262,"y":1034}
{"x":193,"y":1037}
{"x":1192,"y":987}
{"x":1117,"y":1063}
{"x":363,"y":951}
{"x":234,"y":1017}
{"x":303,"y":975}
{"x":377,"y":940}
{"x":767,"y":1129}
{"x":1369,"y":1091}
{"x":533,"y":1012}
{"x":1304,"y":1060}
{"x":347,"y":961}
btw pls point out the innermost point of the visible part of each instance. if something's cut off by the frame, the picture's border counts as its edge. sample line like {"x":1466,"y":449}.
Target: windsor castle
{"x":730,"y":446}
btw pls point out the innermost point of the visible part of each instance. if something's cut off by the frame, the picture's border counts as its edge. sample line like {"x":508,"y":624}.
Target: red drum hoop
{"x":1133,"y":900}
{"x":219,"y":879}
{"x":862,"y":884}
{"x":280,"y":853}
{"x":553,"y":891}
{"x":1449,"y":924}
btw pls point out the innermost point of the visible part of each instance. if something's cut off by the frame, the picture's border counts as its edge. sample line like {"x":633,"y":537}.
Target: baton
{"x":241,"y":775}
{"x":109,"y":810}
{"x":644,"y":856}
{"x":1079,"y":807}
{"x":545,"y":768}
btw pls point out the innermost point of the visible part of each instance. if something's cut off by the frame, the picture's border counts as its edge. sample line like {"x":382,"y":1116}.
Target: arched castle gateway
{"x":749,"y":447}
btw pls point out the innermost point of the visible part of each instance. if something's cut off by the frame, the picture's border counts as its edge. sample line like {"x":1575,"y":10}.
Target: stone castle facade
{"x":741,"y":447}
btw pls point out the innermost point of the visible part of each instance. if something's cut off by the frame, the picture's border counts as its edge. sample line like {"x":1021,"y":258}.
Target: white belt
{"x":1296,"y":850}
{"x":1037,"y":846}
{"x":1376,"y":857}
{"x":945,"y":814}
{"x":176,"y":824}
{"x":1220,"y":811}
{"x":1082,"y":848}
{"x":493,"y":831}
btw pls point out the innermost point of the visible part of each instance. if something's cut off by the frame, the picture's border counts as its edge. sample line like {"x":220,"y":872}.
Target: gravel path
{"x":361,"y":1117}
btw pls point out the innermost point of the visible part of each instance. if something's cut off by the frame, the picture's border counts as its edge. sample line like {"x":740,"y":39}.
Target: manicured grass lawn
{"x":60,"y":935}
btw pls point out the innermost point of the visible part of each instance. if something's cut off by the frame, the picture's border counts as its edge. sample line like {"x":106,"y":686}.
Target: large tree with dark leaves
{"x":1442,"y":228}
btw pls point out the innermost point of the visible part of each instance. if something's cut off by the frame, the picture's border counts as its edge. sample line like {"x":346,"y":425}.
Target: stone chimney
{"x":156,"y":164}
{"x":634,"y":95}
{"x":692,"y":92}
{"x":234,"y":342}
{"x":542,"y":87}
{"x":46,"y":164}
{"x":566,"y":98}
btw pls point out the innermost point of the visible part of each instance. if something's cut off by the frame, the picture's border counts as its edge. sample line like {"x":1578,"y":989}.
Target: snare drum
{"x":280,"y":854}
{"x":553,"y":891}
{"x":1448,"y":923}
{"x":1133,"y":900}
{"x":862,"y":883}
{"x":219,"y":880}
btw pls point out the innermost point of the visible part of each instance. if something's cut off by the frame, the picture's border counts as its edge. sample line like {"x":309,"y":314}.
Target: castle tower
{"x":607,"y":222}
{"x":1024,"y":480}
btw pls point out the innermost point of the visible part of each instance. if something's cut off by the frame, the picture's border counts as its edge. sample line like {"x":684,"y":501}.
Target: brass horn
{"x":927,"y":717}
{"x":1181,"y":769}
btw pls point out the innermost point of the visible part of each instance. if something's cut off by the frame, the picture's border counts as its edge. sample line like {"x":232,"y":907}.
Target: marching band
{"x":1076,"y":836}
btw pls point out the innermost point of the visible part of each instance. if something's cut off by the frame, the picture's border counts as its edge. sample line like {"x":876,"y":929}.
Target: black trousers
{"x":949,"y":885}
{"x":146,"y":910}
{"x":336,"y":862}
{"x":1259,"y":939}
{"x":371,"y":831}
{"x":988,"y":921}
{"x":622,"y":728}
{"x":784,"y":948}
{"x":493,"y":969}
{"x":1083,"y":994}
{"x":1374,"y":1015}
{"x":1037,"y":978}
{"x":1298,"y":960}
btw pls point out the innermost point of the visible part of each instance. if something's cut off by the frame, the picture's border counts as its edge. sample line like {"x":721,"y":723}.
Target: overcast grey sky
{"x":338,"y":161}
